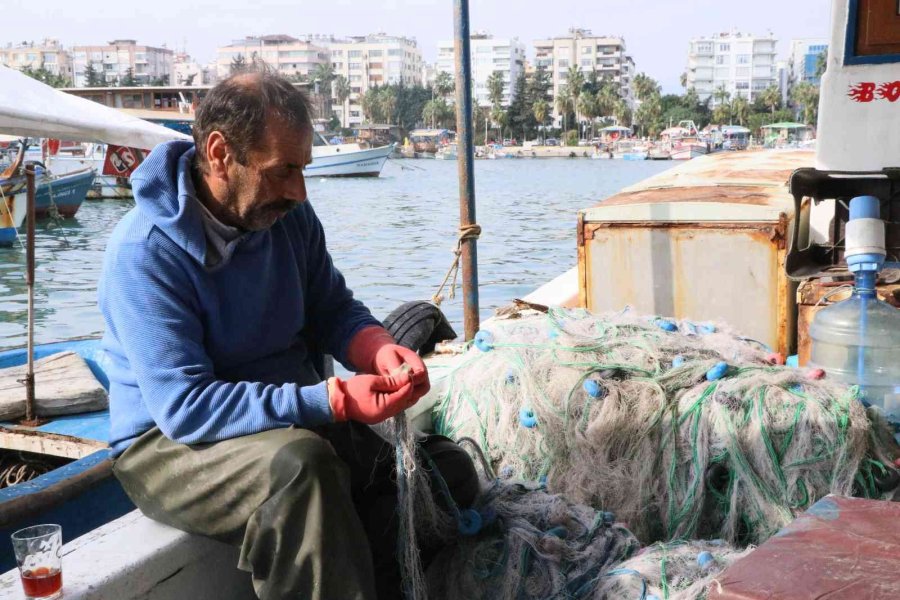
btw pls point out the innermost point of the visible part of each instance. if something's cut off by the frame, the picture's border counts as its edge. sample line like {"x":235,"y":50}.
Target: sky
{"x":656,"y":32}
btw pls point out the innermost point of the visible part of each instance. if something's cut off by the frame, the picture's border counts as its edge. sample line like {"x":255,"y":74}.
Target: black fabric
{"x":374,"y":490}
{"x":419,"y":326}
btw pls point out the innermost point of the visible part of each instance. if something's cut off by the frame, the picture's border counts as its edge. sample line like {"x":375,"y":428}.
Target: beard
{"x":248,"y":210}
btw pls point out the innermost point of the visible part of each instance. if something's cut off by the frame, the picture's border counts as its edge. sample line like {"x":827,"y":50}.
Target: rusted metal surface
{"x":465,"y":165}
{"x":756,"y":178}
{"x":706,"y":241}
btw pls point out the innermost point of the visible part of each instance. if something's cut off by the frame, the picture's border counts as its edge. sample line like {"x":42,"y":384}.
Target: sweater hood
{"x":164,"y":192}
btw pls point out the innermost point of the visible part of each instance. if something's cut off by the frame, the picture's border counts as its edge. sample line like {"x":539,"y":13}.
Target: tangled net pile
{"x":517,"y":541}
{"x":683,"y":431}
{"x":670,"y":571}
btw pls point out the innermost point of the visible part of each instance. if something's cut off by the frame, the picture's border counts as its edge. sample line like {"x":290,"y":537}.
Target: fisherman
{"x":220,"y":298}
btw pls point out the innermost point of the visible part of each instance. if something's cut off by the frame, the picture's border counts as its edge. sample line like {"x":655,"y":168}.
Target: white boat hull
{"x":688,"y":153}
{"x":339,"y":161}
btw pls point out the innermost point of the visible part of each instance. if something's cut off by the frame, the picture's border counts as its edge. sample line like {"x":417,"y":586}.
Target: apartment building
{"x":112,"y":61}
{"x":286,"y":55}
{"x":488,"y":54}
{"x":185,"y":69}
{"x":744,"y":65}
{"x":605,"y":55}
{"x":49,"y":55}
{"x":804,"y":59}
{"x":368,"y":61}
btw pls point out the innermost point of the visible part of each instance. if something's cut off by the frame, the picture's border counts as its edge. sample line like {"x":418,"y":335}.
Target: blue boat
{"x":80,"y":495}
{"x":66,"y":192}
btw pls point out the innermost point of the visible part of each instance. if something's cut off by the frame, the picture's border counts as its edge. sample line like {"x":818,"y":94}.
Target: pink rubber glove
{"x":370,"y":399}
{"x":374,"y":350}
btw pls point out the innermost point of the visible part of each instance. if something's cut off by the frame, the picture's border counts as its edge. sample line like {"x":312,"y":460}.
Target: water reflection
{"x":392,"y":237}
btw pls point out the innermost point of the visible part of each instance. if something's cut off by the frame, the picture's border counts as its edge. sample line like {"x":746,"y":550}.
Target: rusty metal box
{"x":705,"y":241}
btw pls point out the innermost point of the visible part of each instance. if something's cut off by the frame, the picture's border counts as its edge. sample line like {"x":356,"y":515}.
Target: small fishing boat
{"x":448,"y":152}
{"x":346,"y":160}
{"x":62,"y":193}
{"x":12,"y":203}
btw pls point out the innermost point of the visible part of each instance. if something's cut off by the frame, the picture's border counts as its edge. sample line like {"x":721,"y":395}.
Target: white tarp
{"x":30,"y":108}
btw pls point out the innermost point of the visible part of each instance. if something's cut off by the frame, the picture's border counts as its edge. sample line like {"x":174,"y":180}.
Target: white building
{"x":49,"y":55}
{"x":604,"y":55}
{"x":369,"y":61}
{"x":185,"y":69}
{"x":148,"y":64}
{"x":286,"y":55}
{"x":804,"y":59}
{"x":744,"y":65}
{"x":488,"y":54}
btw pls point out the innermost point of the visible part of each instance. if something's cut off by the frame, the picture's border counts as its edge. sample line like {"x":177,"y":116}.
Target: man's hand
{"x":391,"y":357}
{"x":374,"y":350}
{"x":370,"y":399}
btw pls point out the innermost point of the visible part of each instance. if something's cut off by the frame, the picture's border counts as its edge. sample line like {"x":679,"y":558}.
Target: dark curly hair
{"x":240,"y":106}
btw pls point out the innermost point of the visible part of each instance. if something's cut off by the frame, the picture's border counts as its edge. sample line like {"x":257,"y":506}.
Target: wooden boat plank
{"x":64,"y":384}
{"x":52,"y":444}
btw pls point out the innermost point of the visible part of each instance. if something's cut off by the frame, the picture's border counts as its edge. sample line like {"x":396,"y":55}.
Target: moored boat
{"x":346,"y":160}
{"x":62,"y":193}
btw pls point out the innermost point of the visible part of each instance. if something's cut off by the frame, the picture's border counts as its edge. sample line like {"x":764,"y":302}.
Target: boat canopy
{"x":616,"y":128}
{"x":784,"y":125}
{"x":29,"y":108}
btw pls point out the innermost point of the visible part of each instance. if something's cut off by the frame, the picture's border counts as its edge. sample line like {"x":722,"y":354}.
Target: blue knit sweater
{"x":214,"y":353}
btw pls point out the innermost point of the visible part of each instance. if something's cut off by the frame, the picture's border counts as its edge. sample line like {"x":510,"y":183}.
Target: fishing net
{"x":683,"y":431}
{"x":670,"y":571}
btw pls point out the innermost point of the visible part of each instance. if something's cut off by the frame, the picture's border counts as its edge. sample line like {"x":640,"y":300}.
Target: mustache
{"x":284,"y":204}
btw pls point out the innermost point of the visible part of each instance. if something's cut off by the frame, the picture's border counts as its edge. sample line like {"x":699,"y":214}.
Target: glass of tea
{"x":39,"y":554}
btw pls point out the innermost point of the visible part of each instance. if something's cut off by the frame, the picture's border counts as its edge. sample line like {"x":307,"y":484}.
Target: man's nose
{"x":295,"y":187}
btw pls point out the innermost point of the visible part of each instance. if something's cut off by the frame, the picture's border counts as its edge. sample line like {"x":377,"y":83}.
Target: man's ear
{"x":218,"y":155}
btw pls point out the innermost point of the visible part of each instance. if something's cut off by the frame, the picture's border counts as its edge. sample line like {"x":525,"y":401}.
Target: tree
{"x":721,"y":114}
{"x":189,"y":80}
{"x":587,"y":106}
{"x":770,"y":98}
{"x":721,"y":95}
{"x":437,"y":111}
{"x":341,"y":90}
{"x":740,"y":109}
{"x":575,"y":83}
{"x":443,"y":84}
{"x":645,"y":86}
{"x":128,"y":78}
{"x":519,"y":111}
{"x":622,"y":113}
{"x":540,"y":109}
{"x":563,"y":101}
{"x":92,"y":77}
{"x":46,"y":76}
{"x":648,"y":115}
{"x":495,"y":88}
{"x":806,"y":95}
{"x":371,"y":105}
{"x":238,"y":64}
{"x":682,"y":79}
{"x":821,"y":63}
{"x":387,"y":99}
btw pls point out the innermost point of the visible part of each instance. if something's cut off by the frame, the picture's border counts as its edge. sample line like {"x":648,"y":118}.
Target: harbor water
{"x":392,"y":237}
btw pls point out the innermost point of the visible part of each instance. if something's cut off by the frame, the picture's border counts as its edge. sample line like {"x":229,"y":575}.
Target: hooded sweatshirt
{"x":214,"y":349}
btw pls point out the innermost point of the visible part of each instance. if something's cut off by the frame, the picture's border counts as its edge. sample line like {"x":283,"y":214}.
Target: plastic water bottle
{"x":857,"y":341}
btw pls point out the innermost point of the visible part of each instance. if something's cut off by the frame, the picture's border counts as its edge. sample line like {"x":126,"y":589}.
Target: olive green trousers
{"x":314,"y":511}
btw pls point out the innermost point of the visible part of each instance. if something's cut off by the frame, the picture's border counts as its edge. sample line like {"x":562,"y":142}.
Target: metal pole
{"x":466,"y":164}
{"x":29,"y":282}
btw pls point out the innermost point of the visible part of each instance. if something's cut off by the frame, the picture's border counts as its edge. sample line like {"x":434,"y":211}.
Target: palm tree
{"x":495,"y":86}
{"x":437,"y":111}
{"x":500,"y":117}
{"x":721,"y":114}
{"x":771,"y":98}
{"x":387,"y":100}
{"x":622,"y":113}
{"x":645,"y":86}
{"x":721,"y":95}
{"x":691,"y":98}
{"x":587,"y":106}
{"x":806,"y":95}
{"x":740,"y":109}
{"x":371,"y":106}
{"x":562,"y":103}
{"x":575,"y":82}
{"x":443,"y":84}
{"x":821,"y":62}
{"x":540,"y":109}
{"x":648,"y":114}
{"x":341,"y":92}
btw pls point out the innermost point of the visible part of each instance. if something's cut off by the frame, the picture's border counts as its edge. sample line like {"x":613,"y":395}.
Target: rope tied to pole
{"x":466,"y":232}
